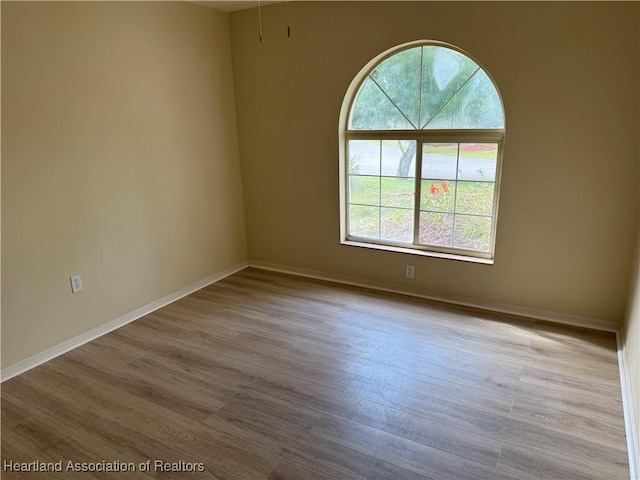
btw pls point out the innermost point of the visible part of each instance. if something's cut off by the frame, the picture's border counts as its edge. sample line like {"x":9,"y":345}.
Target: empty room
{"x":320,"y":240}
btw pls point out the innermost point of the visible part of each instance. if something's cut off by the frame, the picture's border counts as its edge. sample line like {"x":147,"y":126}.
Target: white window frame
{"x":420,"y":136}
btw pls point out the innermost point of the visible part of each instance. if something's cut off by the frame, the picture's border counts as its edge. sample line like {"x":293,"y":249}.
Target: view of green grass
{"x":488,"y":151}
{"x":396,"y":224}
{"x":384,"y":191}
{"x":474,"y":198}
{"x":436,"y":229}
{"x":472,"y":232}
{"x":371,"y":216}
{"x":364,"y":221}
{"x":379,"y":222}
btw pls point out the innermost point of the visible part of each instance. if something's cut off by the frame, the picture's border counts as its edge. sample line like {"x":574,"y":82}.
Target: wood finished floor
{"x":269,"y":376}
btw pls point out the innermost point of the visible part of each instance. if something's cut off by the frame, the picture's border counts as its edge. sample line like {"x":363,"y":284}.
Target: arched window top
{"x":427,"y":87}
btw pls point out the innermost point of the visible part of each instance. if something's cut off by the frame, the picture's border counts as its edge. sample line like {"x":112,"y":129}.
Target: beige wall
{"x":631,"y":335}
{"x":568,"y":73}
{"x":120,"y":156}
{"x":119,"y":162}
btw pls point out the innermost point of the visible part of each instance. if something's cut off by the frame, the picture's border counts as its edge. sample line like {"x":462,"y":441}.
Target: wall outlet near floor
{"x":409,"y":271}
{"x":76,"y":284}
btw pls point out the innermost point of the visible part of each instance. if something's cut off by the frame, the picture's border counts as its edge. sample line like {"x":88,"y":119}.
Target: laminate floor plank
{"x":403,"y":453}
{"x":243,"y":348}
{"x":489,"y":381}
{"x":418,"y":429}
{"x":535,"y":462}
{"x":343,"y":462}
{"x":606,"y":431}
{"x":240,"y":320}
{"x":157,"y":385}
{"x":575,"y":378}
{"x":265,"y":375}
{"x":101,"y":435}
{"x":284,"y":291}
{"x":13,"y":413}
{"x":415,"y":337}
{"x":116,"y":353}
{"x":438,"y":435}
{"x":324,"y":369}
{"x":499,"y":427}
{"x":494,"y":382}
{"x":445,"y":361}
{"x":302,"y":312}
{"x":604,"y":355}
{"x":28,"y":437}
{"x":53,"y":425}
{"x":179,"y":435}
{"x":455,"y":322}
{"x":387,"y":386}
{"x":83,"y":453}
{"x":601,"y":361}
{"x":202,"y":350}
{"x":277,"y":424}
{"x":290,"y":469}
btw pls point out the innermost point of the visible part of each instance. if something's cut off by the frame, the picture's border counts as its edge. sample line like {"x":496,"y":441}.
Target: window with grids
{"x":423,"y":136}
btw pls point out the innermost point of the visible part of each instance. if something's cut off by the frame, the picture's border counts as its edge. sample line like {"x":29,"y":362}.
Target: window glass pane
{"x":436,"y":229}
{"x":399,"y":78}
{"x":437,"y":195}
{"x":478,"y":161}
{"x":444,"y":72}
{"x":364,"y":221}
{"x":430,"y":87}
{"x":476,"y":105}
{"x":439,"y":160}
{"x":475,"y":197}
{"x":396,"y":224}
{"x":397,"y":192}
{"x":364,"y":190}
{"x":398,"y":158}
{"x":473,"y":233}
{"x":373,"y":110}
{"x":364,"y":157}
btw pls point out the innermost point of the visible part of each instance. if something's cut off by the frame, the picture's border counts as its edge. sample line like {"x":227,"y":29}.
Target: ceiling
{"x":230,"y":6}
{"x":233,"y":5}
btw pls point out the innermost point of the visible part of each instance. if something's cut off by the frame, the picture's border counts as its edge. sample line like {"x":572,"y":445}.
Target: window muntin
{"x":427,"y":88}
{"x":423,"y":144}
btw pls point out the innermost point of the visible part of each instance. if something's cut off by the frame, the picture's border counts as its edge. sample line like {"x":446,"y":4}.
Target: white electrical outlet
{"x":76,"y":283}
{"x":409,"y":271}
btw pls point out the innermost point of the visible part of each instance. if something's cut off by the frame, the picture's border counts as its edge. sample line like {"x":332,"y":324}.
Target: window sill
{"x":424,"y":253}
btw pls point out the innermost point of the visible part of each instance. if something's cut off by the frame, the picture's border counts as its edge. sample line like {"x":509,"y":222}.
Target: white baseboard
{"x":57,"y":350}
{"x":562,"y":318}
{"x":630,"y":422}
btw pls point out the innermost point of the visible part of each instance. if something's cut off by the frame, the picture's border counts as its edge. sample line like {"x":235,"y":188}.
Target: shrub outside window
{"x":422,"y":131}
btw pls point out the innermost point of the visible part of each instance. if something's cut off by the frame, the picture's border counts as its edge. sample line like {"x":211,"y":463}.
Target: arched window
{"x":421,"y":135}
